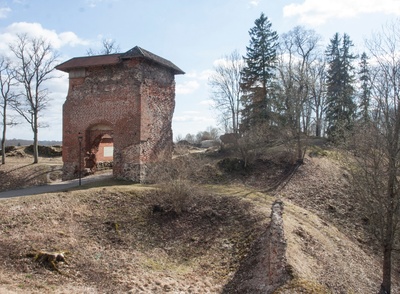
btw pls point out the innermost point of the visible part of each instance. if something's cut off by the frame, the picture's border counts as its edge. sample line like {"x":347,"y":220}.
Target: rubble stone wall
{"x":265,"y":267}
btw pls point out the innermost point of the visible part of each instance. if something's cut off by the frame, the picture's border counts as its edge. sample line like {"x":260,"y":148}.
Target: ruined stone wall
{"x":135,"y":98}
{"x":277,"y":273}
{"x":265,"y":267}
{"x":157,"y":103}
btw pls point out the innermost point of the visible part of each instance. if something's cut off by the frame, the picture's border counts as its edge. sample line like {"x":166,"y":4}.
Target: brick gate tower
{"x":120,"y":107}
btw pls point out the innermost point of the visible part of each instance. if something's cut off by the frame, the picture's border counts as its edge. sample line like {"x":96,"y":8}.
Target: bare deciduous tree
{"x":225,"y":82}
{"x":297,"y":48}
{"x":377,"y":145}
{"x":318,"y":93}
{"x":35,"y":60}
{"x":7,"y":82}
{"x":109,"y":47}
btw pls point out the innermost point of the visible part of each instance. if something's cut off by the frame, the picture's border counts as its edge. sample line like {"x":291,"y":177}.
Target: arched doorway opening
{"x":100,"y":149}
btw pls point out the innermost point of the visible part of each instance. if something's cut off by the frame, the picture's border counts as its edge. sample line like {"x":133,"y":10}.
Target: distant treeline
{"x":21,"y":142}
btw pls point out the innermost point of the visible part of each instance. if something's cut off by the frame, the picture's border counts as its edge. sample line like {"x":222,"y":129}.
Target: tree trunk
{"x":299,"y":147}
{"x":3,"y":147}
{"x":388,"y":237}
{"x":234,"y":124}
{"x":388,"y":229}
{"x":35,"y":142}
{"x":318,"y":128}
{"x":318,"y":122}
{"x":3,"y":139}
{"x":387,"y":253}
{"x":387,"y":270}
{"x":35,"y":148}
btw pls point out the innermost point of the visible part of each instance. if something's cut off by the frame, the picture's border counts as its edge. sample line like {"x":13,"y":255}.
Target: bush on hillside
{"x":177,"y":181}
{"x":8,"y":149}
{"x":231,"y":164}
{"x":47,"y":151}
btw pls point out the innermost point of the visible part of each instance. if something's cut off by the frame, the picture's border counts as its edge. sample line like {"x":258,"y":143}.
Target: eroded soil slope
{"x":115,"y":242}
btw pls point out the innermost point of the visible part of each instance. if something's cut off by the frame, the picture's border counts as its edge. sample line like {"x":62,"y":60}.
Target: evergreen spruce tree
{"x":340,"y":106}
{"x":258,"y":73}
{"x":365,"y":91}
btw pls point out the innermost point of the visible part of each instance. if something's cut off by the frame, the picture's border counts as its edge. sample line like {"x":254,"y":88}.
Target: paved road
{"x":54,"y":187}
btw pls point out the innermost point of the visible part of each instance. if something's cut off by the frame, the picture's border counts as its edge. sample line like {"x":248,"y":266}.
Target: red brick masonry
{"x":125,"y":101}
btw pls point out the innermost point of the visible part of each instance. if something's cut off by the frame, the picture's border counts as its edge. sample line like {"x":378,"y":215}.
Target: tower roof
{"x":112,"y":59}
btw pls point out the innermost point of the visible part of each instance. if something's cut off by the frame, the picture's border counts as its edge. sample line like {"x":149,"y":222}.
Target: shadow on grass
{"x":17,"y":168}
{"x":23,"y":176}
{"x":110,"y":182}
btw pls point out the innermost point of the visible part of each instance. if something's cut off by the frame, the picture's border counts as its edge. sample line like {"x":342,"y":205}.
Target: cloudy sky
{"x":192,"y":34}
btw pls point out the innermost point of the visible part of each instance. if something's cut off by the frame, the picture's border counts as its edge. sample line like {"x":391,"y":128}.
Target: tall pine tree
{"x":258,"y":73}
{"x":340,"y":106}
{"x":365,"y":89}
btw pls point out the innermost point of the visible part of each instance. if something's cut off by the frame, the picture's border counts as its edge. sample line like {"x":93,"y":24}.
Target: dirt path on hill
{"x":55,"y":186}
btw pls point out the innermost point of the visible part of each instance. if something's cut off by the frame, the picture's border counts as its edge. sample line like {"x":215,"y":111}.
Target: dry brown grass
{"x":118,"y":242}
{"x":19,"y":172}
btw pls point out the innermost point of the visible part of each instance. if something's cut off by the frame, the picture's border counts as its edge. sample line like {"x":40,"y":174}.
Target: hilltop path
{"x":54,"y":187}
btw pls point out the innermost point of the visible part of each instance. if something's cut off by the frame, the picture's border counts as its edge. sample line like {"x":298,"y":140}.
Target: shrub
{"x":173,"y":198}
{"x":8,"y":149}
{"x":231,"y":164}
{"x":45,"y":151}
{"x":176,"y":180}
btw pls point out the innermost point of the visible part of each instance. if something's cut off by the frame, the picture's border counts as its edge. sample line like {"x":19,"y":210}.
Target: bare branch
{"x":109,"y":47}
{"x":7,"y":84}
{"x":35,"y":63}
{"x":377,"y":144}
{"x":226,"y":90}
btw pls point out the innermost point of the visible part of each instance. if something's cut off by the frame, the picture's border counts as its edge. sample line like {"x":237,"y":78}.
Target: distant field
{"x":23,"y":142}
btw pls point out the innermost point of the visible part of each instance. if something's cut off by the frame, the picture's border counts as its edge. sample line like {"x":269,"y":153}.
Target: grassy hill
{"x":129,"y":238}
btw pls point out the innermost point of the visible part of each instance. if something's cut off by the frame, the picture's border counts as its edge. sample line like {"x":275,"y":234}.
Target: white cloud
{"x":194,"y":81}
{"x":203,"y":75}
{"x":254,"y":2}
{"x":223,"y":62}
{"x":317,"y":12}
{"x":71,"y":39}
{"x":4,"y":12}
{"x":187,"y":87}
{"x":9,"y":35}
{"x":220,"y":62}
{"x":193,"y":118}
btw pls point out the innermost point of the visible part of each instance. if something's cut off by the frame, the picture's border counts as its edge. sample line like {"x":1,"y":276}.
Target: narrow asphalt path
{"x":54,"y":187}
